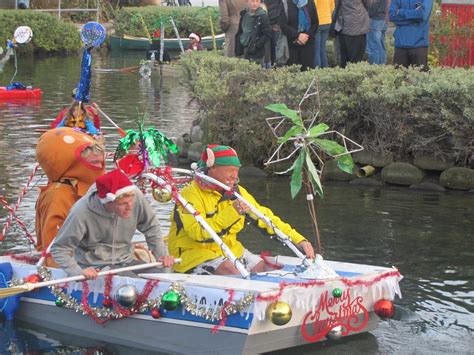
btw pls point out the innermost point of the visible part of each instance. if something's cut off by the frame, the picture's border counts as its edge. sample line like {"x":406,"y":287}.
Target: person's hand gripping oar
{"x":121,"y":131}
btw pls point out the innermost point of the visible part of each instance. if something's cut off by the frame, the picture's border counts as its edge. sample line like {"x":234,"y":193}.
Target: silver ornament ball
{"x":335,"y":333}
{"x":126,"y":296}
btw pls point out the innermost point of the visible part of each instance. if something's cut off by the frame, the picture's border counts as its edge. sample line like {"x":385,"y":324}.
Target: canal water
{"x":427,"y":235}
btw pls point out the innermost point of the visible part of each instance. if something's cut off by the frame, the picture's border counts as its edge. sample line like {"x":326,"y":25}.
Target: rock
{"x":196,"y":134}
{"x":251,"y":171}
{"x":380,"y":160}
{"x":332,"y":172}
{"x":366,"y":182}
{"x":457,"y":178}
{"x":195,"y":151}
{"x":402,"y":174}
{"x":183,"y":144}
{"x":427,"y":186}
{"x":429,"y":162}
{"x":366,"y":157}
{"x":172,"y":159}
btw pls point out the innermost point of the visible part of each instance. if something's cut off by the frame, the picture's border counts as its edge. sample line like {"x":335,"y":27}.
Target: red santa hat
{"x":112,"y":185}
{"x":195,"y":36}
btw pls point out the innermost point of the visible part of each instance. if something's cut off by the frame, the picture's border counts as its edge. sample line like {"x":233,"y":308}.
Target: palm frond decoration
{"x":310,"y":143}
{"x":150,"y":144}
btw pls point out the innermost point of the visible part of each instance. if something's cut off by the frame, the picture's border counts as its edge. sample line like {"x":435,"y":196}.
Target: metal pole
{"x":59,"y":9}
{"x":177,"y":35}
{"x":162,"y":40}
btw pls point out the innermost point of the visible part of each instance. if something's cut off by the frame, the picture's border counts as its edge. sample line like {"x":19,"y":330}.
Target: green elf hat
{"x":220,"y":155}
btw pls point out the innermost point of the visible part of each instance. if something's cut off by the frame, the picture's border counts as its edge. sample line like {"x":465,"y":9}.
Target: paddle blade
{"x":13,"y":291}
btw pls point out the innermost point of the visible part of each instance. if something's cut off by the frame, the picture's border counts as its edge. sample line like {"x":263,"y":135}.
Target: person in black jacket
{"x":254,"y":32}
{"x":300,"y":25}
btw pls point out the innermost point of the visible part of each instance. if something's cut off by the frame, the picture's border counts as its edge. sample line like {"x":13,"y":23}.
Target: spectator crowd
{"x":286,"y":32}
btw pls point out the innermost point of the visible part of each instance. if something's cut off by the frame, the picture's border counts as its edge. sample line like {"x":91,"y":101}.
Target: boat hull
{"x":28,"y":94}
{"x":165,"y":335}
{"x":316,"y":313}
{"x":171,"y":44}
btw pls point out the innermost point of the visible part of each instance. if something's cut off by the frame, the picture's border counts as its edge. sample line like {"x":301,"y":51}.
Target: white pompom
{"x":194,"y":166}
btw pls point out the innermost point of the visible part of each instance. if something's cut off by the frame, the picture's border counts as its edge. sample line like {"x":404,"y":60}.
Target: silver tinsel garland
{"x":208,"y":313}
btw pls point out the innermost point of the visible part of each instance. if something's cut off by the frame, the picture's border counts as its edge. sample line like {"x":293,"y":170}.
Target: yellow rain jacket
{"x":188,"y":241}
{"x":70,"y":176}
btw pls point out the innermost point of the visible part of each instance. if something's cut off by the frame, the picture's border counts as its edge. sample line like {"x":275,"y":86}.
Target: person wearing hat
{"x":89,"y":110}
{"x":72,"y":161}
{"x":226,"y":216}
{"x":194,"y":43}
{"x":98,"y":231}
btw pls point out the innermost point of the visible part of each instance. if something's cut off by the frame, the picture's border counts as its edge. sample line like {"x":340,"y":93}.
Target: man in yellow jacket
{"x":225,"y":214}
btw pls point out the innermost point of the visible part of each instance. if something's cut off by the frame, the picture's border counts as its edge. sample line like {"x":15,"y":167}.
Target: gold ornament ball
{"x":126,"y":296}
{"x":279,"y":313}
{"x":161,"y":195}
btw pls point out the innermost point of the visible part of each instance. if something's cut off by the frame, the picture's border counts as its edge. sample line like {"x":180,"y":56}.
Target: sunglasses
{"x":96,"y":149}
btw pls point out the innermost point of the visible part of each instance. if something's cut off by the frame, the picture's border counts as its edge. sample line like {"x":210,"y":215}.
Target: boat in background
{"x":127,"y":42}
{"x":20,"y":94}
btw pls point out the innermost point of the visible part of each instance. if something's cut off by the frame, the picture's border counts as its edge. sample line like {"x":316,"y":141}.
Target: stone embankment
{"x":425,"y":172}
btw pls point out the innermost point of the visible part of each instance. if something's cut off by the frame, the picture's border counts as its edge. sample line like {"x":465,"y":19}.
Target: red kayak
{"x":15,"y":94}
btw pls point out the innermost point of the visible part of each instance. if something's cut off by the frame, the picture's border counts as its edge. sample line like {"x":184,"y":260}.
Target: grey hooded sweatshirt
{"x":92,"y":236}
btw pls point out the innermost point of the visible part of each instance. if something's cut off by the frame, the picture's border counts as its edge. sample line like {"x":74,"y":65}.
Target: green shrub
{"x":49,"y":33}
{"x":188,"y":19}
{"x":402,"y":111}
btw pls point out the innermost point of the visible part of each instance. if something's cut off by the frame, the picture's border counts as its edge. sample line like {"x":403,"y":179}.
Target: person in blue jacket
{"x":412,"y":20}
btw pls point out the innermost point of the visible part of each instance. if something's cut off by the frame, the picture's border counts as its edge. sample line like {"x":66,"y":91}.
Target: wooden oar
{"x":121,"y":131}
{"x":15,"y":290}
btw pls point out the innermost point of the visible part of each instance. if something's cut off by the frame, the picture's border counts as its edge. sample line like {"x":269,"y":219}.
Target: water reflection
{"x":427,"y":235}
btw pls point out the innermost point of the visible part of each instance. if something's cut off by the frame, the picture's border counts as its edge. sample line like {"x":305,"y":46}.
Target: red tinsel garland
{"x":264,"y":255}
{"x":24,"y":258}
{"x":308,"y":284}
{"x":223,"y":312}
{"x":142,"y":297}
{"x":13,"y":210}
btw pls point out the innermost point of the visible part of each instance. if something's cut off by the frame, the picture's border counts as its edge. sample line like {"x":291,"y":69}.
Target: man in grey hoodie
{"x":100,"y":226}
{"x":352,"y":23}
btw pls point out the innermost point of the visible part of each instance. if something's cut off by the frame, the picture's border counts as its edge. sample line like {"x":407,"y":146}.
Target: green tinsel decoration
{"x":153,"y":145}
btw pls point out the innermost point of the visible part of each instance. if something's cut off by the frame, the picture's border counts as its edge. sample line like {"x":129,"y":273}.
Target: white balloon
{"x":23,"y":34}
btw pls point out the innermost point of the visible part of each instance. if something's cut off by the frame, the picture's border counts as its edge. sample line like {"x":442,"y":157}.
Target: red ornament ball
{"x":107,"y":303}
{"x":33,"y":278}
{"x":155,"y":313}
{"x":384,"y":308}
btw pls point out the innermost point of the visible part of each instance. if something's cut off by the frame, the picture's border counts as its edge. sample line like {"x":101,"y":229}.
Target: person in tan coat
{"x":230,"y":17}
{"x":71,"y":160}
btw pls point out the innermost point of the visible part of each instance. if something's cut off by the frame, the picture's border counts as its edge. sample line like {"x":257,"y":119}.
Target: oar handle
{"x":32,"y":286}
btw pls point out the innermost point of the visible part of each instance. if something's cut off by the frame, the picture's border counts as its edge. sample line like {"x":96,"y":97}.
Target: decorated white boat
{"x":182,"y":313}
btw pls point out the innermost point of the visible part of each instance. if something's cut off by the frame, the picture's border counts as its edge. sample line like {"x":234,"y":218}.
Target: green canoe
{"x":171,"y":44}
